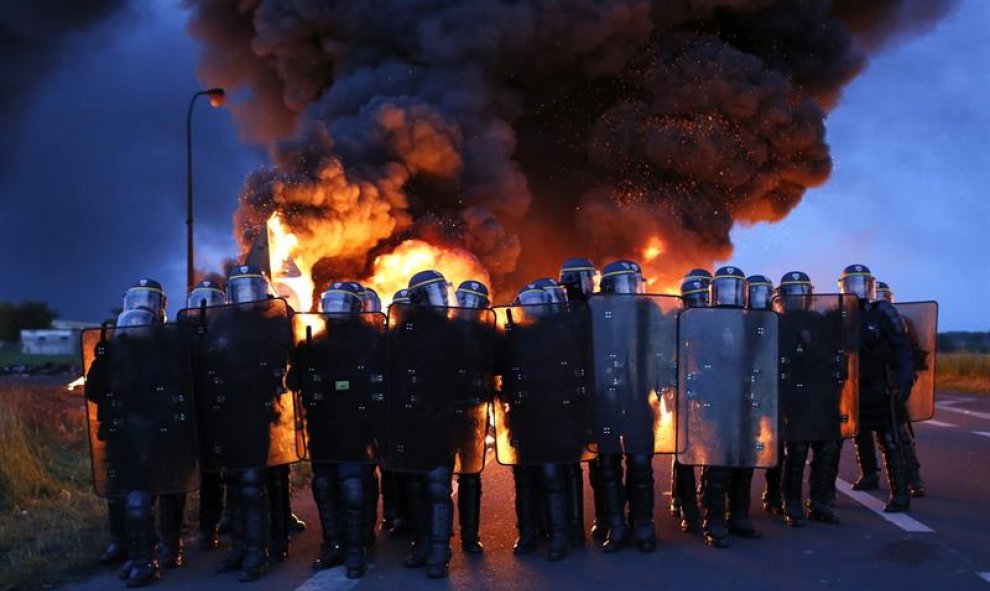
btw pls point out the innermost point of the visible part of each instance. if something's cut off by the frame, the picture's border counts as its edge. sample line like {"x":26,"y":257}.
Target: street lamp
{"x":216,"y":99}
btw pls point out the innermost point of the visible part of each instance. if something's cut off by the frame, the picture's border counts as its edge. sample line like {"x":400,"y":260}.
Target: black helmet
{"x":577,"y":275}
{"x":401,"y":297}
{"x":206,"y":292}
{"x":245,"y":284}
{"x":429,"y":288}
{"x":760,"y":292}
{"x":621,"y":277}
{"x":698,"y":275}
{"x":729,"y":288}
{"x":695,"y":293}
{"x":343,"y":297}
{"x":858,"y":281}
{"x":795,"y":283}
{"x":532,"y":294}
{"x":556,"y":291}
{"x":372,"y":303}
{"x":472,"y":294}
{"x":884,"y":293}
{"x":148,"y":294}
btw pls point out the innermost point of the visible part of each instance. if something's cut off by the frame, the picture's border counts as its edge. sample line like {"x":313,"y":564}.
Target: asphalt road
{"x":943,"y":543}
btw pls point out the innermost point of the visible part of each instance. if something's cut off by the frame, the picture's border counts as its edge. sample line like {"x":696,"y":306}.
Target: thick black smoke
{"x":526,"y":131}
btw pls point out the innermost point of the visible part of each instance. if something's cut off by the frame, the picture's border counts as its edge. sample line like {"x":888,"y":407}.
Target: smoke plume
{"x":528,"y":131}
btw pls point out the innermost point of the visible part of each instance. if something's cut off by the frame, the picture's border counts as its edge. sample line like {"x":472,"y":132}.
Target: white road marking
{"x":935,"y":423}
{"x":951,"y":401}
{"x":963,"y":411}
{"x":985,"y":576}
{"x":983,"y":433}
{"x":332,"y":579}
{"x":901,"y":520}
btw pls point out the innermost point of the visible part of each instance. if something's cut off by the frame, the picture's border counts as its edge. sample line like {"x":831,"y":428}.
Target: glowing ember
{"x":391,"y":272}
{"x":292,"y":280}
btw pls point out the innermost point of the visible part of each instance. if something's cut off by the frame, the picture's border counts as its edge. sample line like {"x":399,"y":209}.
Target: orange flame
{"x":291,"y":278}
{"x":391,"y":272}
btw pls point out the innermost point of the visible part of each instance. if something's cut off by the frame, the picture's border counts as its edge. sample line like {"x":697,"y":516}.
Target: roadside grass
{"x":51,"y":523}
{"x":964,"y":372}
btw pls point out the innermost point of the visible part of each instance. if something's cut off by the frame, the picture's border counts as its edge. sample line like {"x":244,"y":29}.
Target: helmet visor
{"x":205,"y":295}
{"x":247,"y":288}
{"x":861,"y":286}
{"x":339,"y":301}
{"x":759,"y":297}
{"x":137,"y":317}
{"x":434,"y":294}
{"x":729,"y":292}
{"x":623,"y":283}
{"x":144,"y":297}
{"x":468,"y":299}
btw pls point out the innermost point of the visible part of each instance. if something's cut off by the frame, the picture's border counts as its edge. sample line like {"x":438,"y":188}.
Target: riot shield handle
{"x":508,"y":318}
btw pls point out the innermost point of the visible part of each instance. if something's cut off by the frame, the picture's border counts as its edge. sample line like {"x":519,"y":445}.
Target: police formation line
{"x":731,"y":376}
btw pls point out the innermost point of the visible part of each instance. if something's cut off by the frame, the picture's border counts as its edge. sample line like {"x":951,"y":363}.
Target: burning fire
{"x":290,"y":276}
{"x":391,"y":272}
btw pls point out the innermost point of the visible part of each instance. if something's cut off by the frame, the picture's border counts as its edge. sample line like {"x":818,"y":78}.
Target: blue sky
{"x":100,"y":164}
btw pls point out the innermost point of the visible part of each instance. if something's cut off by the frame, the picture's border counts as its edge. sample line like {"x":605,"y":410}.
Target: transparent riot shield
{"x":543,"y":409}
{"x":140,"y":409}
{"x":246,"y":413}
{"x":634,"y":339}
{"x":440,"y":383}
{"x":921,"y":322}
{"x":338,"y":373}
{"x":727,"y":411}
{"x":819,"y":366}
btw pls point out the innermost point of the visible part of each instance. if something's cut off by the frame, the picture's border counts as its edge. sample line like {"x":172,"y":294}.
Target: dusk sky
{"x":92,"y":193}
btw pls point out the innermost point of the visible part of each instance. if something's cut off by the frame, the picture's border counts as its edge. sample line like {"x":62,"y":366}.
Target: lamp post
{"x":216,"y":99}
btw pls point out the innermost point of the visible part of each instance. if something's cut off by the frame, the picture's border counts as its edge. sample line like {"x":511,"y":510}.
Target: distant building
{"x":61,"y":339}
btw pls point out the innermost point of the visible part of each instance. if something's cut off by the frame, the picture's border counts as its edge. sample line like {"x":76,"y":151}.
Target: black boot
{"x":526,"y":510}
{"x":740,"y":483}
{"x":866,"y":458}
{"x":210,"y":497}
{"x":420,"y":520}
{"x":171,"y":509}
{"x":599,"y":528}
{"x":687,"y":492}
{"x":641,"y":501}
{"x":897,"y":472}
{"x":279,"y":513}
{"x":140,"y":540}
{"x":116,"y":550}
{"x":916,"y":486}
{"x":441,"y":522}
{"x":327,"y":504}
{"x":394,"y":518}
{"x":714,"y":485}
{"x":795,"y":456}
{"x":234,"y":509}
{"x":675,"y":499}
{"x":255,"y":514}
{"x":354,"y":479}
{"x":469,"y":512}
{"x":613,"y":503}
{"x":558,"y":510}
{"x":821,"y":481}
{"x":574,"y":481}
{"x":773,"y":500}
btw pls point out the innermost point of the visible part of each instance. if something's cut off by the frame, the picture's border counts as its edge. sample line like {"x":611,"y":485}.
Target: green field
{"x":11,"y":355}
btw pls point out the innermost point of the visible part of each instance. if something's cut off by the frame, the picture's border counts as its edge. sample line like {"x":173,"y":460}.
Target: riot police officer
{"x":471,"y":295}
{"x":625,"y":277}
{"x":577,"y":277}
{"x":395,"y":511}
{"x":695,"y":289}
{"x":759,"y":297}
{"x":729,"y":290}
{"x":146,"y":294}
{"x":341,"y":469}
{"x":795,"y":292}
{"x":886,"y":375}
{"x":209,"y":293}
